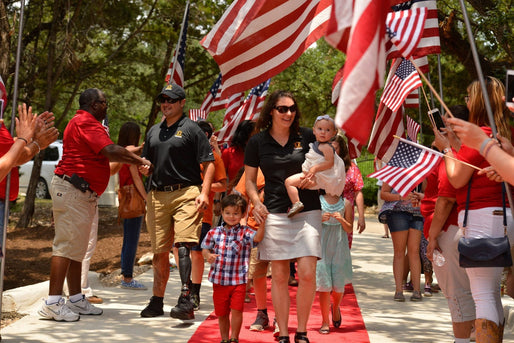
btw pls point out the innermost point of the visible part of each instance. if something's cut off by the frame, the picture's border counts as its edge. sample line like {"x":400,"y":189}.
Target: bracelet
{"x":446,"y":150}
{"x":487,"y":150}
{"x":38,"y":147}
{"x":23,"y":139}
{"x":483,"y":145}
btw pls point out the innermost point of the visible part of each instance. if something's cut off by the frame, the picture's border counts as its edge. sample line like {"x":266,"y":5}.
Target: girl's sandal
{"x":283,"y":339}
{"x":301,"y":336}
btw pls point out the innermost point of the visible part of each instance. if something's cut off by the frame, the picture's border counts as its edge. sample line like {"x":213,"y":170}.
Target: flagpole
{"x":175,"y":56}
{"x":440,"y":74}
{"x":434,"y":152}
{"x":432,"y":88}
{"x":8,"y":181}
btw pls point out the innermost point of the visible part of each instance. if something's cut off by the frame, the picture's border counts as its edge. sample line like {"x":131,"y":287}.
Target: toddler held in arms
{"x":321,"y":165}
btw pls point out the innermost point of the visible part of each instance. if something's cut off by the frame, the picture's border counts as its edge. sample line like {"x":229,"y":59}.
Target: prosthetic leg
{"x":184,"y":308}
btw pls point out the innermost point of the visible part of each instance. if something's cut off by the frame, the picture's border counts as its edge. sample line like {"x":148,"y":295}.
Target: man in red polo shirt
{"x":80,"y":178}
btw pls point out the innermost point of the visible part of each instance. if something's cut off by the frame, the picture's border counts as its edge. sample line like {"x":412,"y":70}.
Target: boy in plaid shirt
{"x":227,"y":248}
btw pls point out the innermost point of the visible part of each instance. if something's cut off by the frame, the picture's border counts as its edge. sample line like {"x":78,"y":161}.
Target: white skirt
{"x":288,"y":238}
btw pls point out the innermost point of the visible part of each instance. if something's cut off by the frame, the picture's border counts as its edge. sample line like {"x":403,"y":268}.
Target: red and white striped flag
{"x":404,"y":80}
{"x":336,"y":86}
{"x":248,"y":111}
{"x":412,"y":129}
{"x":255,"y":40}
{"x":429,"y":42}
{"x":408,"y":167}
{"x":405,"y":29}
{"x":3,"y":97}
{"x":339,"y":25}
{"x":387,"y":123}
{"x":363,"y":70}
{"x":412,"y":100}
{"x":179,"y":59}
{"x":234,"y":102}
{"x":213,"y":101}
{"x":196,"y":114}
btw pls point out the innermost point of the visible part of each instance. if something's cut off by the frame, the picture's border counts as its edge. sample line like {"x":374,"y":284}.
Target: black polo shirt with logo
{"x":176,"y":153}
{"x":277,"y":163}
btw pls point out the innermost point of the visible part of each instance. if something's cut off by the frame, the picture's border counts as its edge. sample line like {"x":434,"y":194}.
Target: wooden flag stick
{"x":435,"y":152}
{"x":432,"y":88}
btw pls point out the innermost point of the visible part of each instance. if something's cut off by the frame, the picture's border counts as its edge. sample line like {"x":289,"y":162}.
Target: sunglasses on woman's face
{"x":285,"y":109}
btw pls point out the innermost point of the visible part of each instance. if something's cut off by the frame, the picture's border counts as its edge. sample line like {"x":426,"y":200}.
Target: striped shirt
{"x":233,"y":245}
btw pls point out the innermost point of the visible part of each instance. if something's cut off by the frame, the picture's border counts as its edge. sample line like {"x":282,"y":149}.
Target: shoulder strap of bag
{"x":137,"y":181}
{"x":465,"y":221}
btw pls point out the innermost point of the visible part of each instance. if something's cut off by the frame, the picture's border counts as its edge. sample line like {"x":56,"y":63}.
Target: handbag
{"x":131,"y":202}
{"x":485,"y":252}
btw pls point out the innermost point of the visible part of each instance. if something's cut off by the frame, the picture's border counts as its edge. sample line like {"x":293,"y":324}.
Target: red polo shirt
{"x":6,"y":142}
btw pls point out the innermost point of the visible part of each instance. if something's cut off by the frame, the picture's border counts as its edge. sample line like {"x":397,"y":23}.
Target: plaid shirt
{"x":233,"y":245}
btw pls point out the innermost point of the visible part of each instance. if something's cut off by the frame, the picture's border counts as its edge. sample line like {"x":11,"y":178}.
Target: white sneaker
{"x":58,"y":311}
{"x":83,"y":306}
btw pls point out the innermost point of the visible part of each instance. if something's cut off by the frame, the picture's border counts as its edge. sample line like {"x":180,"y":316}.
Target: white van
{"x":53,"y":155}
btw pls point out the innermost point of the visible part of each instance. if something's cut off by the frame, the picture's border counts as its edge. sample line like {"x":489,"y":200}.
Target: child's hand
{"x":212,"y":258}
{"x":337,"y":216}
{"x":326,"y":216}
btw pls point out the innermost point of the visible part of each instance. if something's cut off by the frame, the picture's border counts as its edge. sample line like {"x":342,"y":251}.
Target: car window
{"x":51,"y":154}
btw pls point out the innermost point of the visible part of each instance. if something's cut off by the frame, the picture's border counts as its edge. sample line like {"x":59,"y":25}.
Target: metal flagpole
{"x":439,"y":73}
{"x":8,"y":182}
{"x":483,"y":86}
{"x":175,"y":56}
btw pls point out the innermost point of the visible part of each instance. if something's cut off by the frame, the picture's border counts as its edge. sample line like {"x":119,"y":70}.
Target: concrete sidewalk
{"x":386,"y":320}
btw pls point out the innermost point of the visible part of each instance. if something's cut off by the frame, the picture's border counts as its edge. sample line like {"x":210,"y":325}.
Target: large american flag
{"x":3,"y":97}
{"x":387,"y":123}
{"x":412,"y":100}
{"x":233,"y":104}
{"x":180,"y":59}
{"x":339,"y":24}
{"x":404,"y":81}
{"x":429,"y":43}
{"x":255,"y":40}
{"x":408,"y":167}
{"x":412,"y":129}
{"x":363,"y":70}
{"x":213,"y":101}
{"x":196,"y":114}
{"x":405,"y":29}
{"x":248,"y":111}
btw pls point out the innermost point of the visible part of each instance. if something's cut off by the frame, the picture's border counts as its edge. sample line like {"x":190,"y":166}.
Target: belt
{"x":67,"y":178}
{"x":170,"y":188}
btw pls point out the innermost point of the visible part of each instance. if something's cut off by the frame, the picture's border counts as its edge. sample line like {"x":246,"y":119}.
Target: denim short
{"x":403,"y":221}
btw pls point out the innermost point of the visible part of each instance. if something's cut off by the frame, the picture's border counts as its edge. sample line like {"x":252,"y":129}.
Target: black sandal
{"x":235,"y":340}
{"x":301,"y":336}
{"x":283,"y":339}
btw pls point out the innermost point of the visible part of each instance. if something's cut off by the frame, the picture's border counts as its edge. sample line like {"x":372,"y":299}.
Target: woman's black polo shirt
{"x":277,"y":163}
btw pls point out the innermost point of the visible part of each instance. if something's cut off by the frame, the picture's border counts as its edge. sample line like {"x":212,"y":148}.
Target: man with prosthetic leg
{"x":178,"y":196}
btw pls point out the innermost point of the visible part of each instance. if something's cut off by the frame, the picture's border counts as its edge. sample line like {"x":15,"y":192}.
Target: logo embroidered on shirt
{"x":178,"y":134}
{"x":298,"y":145}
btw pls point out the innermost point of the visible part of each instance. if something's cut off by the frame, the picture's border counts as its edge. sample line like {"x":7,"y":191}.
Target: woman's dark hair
{"x":343,"y":152}
{"x":129,"y":134}
{"x":242,"y":135}
{"x":265,"y":120}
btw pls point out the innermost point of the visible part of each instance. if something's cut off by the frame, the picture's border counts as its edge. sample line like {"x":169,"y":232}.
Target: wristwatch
{"x":446,"y":150}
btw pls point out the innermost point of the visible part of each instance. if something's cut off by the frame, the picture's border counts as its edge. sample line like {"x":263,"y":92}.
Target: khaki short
{"x":257,"y":267}
{"x":172,"y":216}
{"x":74,"y":212}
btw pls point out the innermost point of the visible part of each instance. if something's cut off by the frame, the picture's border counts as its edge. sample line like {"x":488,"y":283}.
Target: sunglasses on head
{"x":168,"y":100}
{"x":285,"y":109}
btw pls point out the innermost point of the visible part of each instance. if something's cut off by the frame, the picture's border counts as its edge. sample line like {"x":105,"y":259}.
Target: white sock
{"x":462,"y":340}
{"x":76,"y":297}
{"x":53,"y":299}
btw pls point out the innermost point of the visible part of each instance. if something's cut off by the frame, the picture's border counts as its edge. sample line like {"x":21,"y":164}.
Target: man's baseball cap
{"x":173,"y":91}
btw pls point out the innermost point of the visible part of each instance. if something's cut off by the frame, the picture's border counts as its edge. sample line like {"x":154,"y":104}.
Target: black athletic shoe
{"x":184,"y":309}
{"x":154,"y":308}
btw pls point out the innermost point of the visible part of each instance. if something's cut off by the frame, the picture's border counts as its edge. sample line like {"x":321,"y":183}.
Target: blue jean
{"x":403,"y":221}
{"x":131,"y":231}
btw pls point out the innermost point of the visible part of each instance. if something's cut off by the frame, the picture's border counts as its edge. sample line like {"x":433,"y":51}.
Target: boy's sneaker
{"x":58,"y":312}
{"x":195,"y":299}
{"x":407,"y":287}
{"x":133,"y":284}
{"x":428,"y":291}
{"x":297,"y":207}
{"x":261,"y":322}
{"x":83,"y":306}
{"x":154,"y":308}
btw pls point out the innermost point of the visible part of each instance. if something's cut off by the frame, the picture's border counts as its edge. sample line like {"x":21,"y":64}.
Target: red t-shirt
{"x":125,"y":176}
{"x":233,"y":159}
{"x":427,"y":205}
{"x":448,"y":191}
{"x":84,"y":138}
{"x":484,"y":192}
{"x":6,"y":142}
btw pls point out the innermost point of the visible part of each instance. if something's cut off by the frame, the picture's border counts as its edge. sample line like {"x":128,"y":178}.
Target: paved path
{"x":386,"y":320}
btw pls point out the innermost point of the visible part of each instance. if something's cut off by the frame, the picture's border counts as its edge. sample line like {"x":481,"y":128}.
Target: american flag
{"x":405,"y":29}
{"x":336,"y":86}
{"x":234,"y":102}
{"x":412,"y":100}
{"x":429,"y":43}
{"x":412,"y":129}
{"x":255,"y":40}
{"x":410,"y":164}
{"x":387,"y":123}
{"x":339,"y":25}
{"x":178,"y":74}
{"x":404,"y":81}
{"x":213,"y":101}
{"x":3,"y":97}
{"x":196,"y":114}
{"x":363,"y":70}
{"x":248,"y":111}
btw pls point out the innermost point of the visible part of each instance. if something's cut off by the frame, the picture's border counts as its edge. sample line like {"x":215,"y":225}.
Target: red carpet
{"x":352,"y":328}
